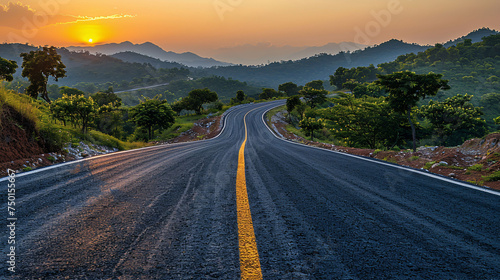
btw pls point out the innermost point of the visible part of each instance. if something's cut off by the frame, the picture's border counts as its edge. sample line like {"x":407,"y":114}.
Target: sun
{"x":91,"y":40}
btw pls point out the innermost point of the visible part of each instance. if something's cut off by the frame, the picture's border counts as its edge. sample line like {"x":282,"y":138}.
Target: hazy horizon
{"x":201,"y":26}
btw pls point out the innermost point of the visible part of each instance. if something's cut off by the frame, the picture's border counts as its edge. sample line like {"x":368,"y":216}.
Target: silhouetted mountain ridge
{"x":149,"y":49}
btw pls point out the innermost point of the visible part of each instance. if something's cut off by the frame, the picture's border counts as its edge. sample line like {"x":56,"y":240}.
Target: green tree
{"x":314,"y":96}
{"x":365,"y":122}
{"x":38,"y":66}
{"x":75,"y":108}
{"x":109,"y":119}
{"x":317,"y":84}
{"x":497,"y":120}
{"x":350,"y":84}
{"x":70,"y":91}
{"x":291,"y":103}
{"x":107,"y":98}
{"x":153,"y":114}
{"x":301,"y":109}
{"x":455,"y":119}
{"x":7,"y":69}
{"x":290,"y":89}
{"x":268,"y":93}
{"x":407,"y":88}
{"x":85,"y":110}
{"x":339,"y":78}
{"x":240,"y":96}
{"x":62,"y":109}
{"x":196,"y":98}
{"x":311,"y":124}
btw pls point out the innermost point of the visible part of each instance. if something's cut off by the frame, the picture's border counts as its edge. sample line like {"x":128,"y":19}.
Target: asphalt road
{"x":169,"y":212}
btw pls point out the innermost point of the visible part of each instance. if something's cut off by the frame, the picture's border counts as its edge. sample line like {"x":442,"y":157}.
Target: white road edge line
{"x":115,"y":153}
{"x":463,"y":184}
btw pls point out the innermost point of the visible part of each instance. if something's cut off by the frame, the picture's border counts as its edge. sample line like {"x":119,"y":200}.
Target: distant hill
{"x":316,"y":67}
{"x":83,"y":67}
{"x":152,"y":50}
{"x":133,"y":57}
{"x":475,"y":36}
{"x":264,"y":53}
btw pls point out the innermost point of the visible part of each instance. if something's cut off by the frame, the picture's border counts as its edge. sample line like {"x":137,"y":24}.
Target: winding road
{"x":174,"y":212}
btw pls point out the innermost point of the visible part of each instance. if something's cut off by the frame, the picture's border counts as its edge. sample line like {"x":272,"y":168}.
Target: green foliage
{"x":196,"y":98}
{"x":455,"y":119}
{"x":314,"y":96}
{"x":292,"y":102}
{"x":429,"y":164}
{"x":317,"y":85}
{"x":239,"y":98}
{"x":7,"y":69}
{"x":38,"y":66}
{"x":290,"y":89}
{"x":368,"y":89}
{"x":75,"y":108}
{"x":70,"y":91}
{"x":311,"y":124}
{"x":268,"y":93}
{"x":153,"y":114}
{"x":240,"y":95}
{"x":364,"y":122}
{"x":351,"y":76}
{"x":497,"y":120}
{"x":407,"y":88}
{"x":107,"y":98}
{"x":476,"y":167}
{"x":493,"y":177}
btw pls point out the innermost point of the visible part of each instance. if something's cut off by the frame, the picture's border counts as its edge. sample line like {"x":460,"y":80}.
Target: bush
{"x":476,"y":167}
{"x":493,"y":177}
{"x":429,"y":164}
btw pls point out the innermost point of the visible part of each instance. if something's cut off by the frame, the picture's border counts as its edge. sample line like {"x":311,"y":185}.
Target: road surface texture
{"x":169,"y":212}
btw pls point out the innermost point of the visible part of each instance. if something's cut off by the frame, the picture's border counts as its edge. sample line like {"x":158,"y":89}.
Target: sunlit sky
{"x":200,"y":25}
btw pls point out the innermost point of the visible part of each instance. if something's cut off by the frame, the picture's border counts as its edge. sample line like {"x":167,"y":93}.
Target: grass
{"x":23,"y":104}
{"x":273,"y":112}
{"x":413,"y":158}
{"x":453,"y":167}
{"x":476,"y":167}
{"x":56,"y":135}
{"x":429,"y":164}
{"x":477,"y":183}
{"x":493,"y":177}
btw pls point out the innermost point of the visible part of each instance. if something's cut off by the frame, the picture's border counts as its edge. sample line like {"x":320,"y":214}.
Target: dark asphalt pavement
{"x":169,"y":212}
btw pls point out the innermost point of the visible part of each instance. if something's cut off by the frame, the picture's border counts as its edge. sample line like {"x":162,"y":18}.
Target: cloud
{"x":85,"y":18}
{"x":21,"y":16}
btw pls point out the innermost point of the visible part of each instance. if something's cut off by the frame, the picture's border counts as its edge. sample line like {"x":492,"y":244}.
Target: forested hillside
{"x":314,"y":68}
{"x":472,"y":68}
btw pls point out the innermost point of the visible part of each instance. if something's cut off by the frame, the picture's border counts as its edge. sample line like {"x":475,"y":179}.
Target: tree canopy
{"x":290,"y":89}
{"x":455,"y":119}
{"x":153,"y":114}
{"x":38,"y":66}
{"x":196,"y":98}
{"x":314,"y":96}
{"x":407,"y":88}
{"x":7,"y":69}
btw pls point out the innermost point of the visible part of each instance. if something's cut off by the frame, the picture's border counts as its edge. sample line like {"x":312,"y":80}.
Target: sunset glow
{"x":201,"y":25}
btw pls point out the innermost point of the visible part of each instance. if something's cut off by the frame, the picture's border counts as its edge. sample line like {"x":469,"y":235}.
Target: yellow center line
{"x":249,"y":256}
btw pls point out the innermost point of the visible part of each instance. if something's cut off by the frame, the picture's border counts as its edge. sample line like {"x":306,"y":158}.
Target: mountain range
{"x":149,"y":49}
{"x":127,"y":61}
{"x":265,"y":53}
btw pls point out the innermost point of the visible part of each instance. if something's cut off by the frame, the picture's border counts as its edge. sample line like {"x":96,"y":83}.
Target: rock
{"x":452,"y":175}
{"x":443,"y":163}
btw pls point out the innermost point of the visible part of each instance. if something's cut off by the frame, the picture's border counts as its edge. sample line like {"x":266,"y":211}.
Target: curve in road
{"x":169,"y":212}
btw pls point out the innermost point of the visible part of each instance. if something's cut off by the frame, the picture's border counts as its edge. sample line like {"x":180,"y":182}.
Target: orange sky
{"x":201,"y":25}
